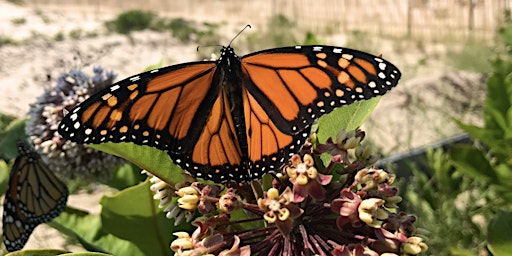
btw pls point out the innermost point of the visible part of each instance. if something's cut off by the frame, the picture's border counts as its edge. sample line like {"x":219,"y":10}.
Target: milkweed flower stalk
{"x":343,"y":207}
{"x":66,"y":158}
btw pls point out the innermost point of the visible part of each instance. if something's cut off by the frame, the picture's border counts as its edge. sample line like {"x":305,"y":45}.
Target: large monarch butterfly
{"x":233,"y":119}
{"x":34,"y":195}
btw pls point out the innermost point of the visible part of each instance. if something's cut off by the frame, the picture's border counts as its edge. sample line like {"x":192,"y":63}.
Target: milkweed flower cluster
{"x":345,"y":207}
{"x":67,"y":158}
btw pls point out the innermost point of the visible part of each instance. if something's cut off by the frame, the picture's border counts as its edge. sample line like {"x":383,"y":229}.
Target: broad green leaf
{"x":88,"y":230}
{"x":126,"y":176}
{"x":133,"y":215}
{"x":499,"y":234}
{"x":148,"y":158}
{"x":347,"y":117}
{"x":472,"y":161}
{"x":38,"y":252}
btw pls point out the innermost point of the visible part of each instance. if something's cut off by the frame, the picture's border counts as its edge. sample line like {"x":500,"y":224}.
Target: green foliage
{"x":148,"y":158}
{"x":448,"y":204}
{"x":7,"y":41}
{"x":76,"y":33}
{"x":474,"y":56}
{"x":87,"y":229}
{"x":39,"y":252}
{"x":465,"y":195}
{"x":312,"y":39}
{"x":347,"y":117}
{"x":9,"y":137}
{"x":132,"y":20}
{"x":130,"y":223}
{"x":142,"y":223}
{"x":18,"y":2}
{"x":181,"y":29}
{"x":4,"y":176}
{"x":19,"y":21}
{"x":279,"y":32}
{"x":360,"y":40}
{"x":59,"y":36}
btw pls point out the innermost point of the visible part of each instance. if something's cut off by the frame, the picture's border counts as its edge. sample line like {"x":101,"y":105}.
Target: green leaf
{"x":133,"y":215}
{"x":476,"y":132}
{"x":154,"y":66}
{"x":88,"y":230}
{"x":348,"y":117}
{"x":126,"y":176}
{"x":14,"y":132}
{"x":454,"y":251}
{"x":148,"y":158}
{"x":472,"y":161}
{"x":4,"y":176}
{"x":499,"y":234}
{"x":85,"y":254}
{"x":39,"y":252}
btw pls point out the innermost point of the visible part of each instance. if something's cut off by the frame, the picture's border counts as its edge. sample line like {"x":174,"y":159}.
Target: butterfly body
{"x":235,"y":118}
{"x":34,"y":196}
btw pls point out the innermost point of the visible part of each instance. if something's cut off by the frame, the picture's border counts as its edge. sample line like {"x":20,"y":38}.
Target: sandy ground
{"x":24,"y":69}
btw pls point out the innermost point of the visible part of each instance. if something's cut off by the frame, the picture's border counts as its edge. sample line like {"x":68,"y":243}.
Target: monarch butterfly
{"x":34,"y":195}
{"x":233,"y":119}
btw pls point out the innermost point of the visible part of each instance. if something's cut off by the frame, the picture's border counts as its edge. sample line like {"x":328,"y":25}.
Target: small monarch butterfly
{"x":233,"y":119}
{"x":34,"y":195}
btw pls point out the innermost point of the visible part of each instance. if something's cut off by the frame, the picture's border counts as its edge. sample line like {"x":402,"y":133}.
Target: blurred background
{"x":444,"y":50}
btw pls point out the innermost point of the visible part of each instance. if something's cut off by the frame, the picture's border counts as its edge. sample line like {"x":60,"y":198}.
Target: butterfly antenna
{"x":246,"y":26}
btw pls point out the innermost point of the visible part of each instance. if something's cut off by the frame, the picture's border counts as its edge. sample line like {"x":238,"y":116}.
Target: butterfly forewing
{"x":296,"y":85}
{"x":159,"y":108}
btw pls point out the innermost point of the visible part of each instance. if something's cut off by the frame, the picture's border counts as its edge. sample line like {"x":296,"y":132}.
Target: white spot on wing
{"x":317,"y":48}
{"x":337,"y":50}
{"x":115,"y":87}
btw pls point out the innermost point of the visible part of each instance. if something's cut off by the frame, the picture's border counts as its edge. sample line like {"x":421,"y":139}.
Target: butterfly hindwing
{"x":34,"y":195}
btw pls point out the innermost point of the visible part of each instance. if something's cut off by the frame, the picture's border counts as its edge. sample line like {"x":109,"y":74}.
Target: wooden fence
{"x":425,"y":19}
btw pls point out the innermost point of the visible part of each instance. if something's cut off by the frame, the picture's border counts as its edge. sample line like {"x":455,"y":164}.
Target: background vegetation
{"x":462,"y":193}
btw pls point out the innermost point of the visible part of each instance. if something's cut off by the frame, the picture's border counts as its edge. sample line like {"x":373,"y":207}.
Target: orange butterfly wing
{"x":234,"y":119}
{"x":296,"y":85}
{"x":159,"y":108}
